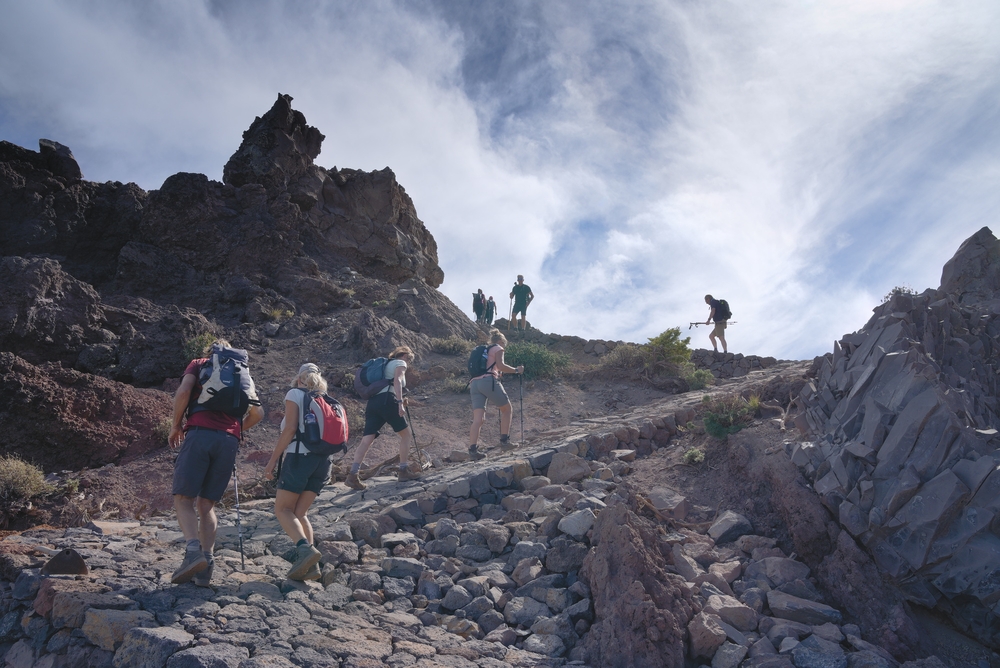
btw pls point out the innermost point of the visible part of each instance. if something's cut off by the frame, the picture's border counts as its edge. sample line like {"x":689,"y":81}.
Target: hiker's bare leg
{"x":722,"y":339}
{"x":301,"y":508}
{"x":285,"y":504}
{"x":711,"y":337}
{"x":366,"y":442}
{"x":505,"y":415}
{"x":187,"y":516}
{"x":478,"y":416}
{"x":404,"y":445}
{"x":208,"y":524}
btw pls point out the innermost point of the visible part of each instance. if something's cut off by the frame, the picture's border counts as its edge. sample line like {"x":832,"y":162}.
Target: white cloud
{"x":796,"y":159}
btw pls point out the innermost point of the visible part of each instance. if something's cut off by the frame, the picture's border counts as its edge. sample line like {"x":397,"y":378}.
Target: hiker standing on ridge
{"x":303,"y":474}
{"x":522,"y":296}
{"x":491,"y":310}
{"x":486,"y":387}
{"x":387,"y":407}
{"x":719,"y":314}
{"x":207,"y":459}
{"x":478,"y":305}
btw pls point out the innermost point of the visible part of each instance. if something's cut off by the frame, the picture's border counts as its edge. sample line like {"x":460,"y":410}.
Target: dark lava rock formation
{"x":903,"y":415}
{"x":111,"y":281}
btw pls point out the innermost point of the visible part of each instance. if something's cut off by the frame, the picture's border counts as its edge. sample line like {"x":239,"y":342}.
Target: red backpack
{"x":322,"y":424}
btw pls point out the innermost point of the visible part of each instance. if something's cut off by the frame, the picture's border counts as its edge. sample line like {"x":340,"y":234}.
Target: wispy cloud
{"x":627,"y":157}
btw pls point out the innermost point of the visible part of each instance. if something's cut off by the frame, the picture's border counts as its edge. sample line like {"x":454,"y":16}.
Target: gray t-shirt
{"x":390,"y":372}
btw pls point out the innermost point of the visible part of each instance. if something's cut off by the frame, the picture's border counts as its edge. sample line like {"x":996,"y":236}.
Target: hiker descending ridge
{"x":486,"y":366}
{"x":522,"y":296}
{"x":720,"y":314}
{"x":491,"y":311}
{"x":220,"y":401}
{"x":479,"y":305}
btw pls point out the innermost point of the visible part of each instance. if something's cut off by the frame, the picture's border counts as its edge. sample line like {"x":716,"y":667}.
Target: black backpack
{"x":370,"y":378}
{"x":477,"y":360}
{"x":724,"y":312}
{"x":225,"y":384}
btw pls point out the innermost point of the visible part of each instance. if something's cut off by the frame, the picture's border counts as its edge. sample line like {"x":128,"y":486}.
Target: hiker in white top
{"x":387,"y":407}
{"x":488,"y":387}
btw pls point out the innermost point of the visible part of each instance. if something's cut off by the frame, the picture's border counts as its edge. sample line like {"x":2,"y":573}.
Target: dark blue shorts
{"x":383,"y":409}
{"x":301,"y":473}
{"x":205,"y":463}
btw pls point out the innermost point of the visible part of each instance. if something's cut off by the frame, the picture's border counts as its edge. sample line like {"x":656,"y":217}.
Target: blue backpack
{"x":370,"y":378}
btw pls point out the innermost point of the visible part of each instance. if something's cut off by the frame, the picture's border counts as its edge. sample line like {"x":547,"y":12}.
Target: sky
{"x":798,"y":159}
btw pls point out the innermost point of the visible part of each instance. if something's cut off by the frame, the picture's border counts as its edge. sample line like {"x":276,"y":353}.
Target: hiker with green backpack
{"x":720,"y":315}
{"x":382,"y":381}
{"x":314,"y":428}
{"x":486,"y":367}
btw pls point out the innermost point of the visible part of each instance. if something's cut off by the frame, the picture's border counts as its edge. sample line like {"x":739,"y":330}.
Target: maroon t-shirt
{"x":209,"y":419}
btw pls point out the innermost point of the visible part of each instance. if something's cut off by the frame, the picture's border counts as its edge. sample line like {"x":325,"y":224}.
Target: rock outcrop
{"x":903,"y":416}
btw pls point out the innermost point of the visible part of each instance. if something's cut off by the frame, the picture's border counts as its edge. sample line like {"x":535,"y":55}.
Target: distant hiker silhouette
{"x":719,"y":314}
{"x":522,"y":296}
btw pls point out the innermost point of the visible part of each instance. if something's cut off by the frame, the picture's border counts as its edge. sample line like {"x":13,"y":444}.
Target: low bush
{"x":20,"y":481}
{"x":453,"y":345}
{"x":456,"y":385}
{"x":729,"y":415}
{"x":698,"y":379}
{"x":197,"y":346}
{"x":162,"y":429}
{"x":626,"y":357}
{"x":538,"y":361}
{"x":693,"y":456}
{"x":669,"y":349}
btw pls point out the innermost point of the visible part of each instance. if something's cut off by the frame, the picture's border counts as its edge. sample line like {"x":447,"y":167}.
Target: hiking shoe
{"x":308,"y":556}
{"x":204,"y":578}
{"x":315,"y":573}
{"x":194,"y":563}
{"x":407,"y":474}
{"x":475,"y":455}
{"x":354,"y":482}
{"x":507,"y":445}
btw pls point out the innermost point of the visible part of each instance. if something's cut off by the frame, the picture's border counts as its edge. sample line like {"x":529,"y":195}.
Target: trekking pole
{"x":520,"y":398}
{"x":510,"y":313}
{"x":239,"y":519}
{"x":409,"y":419}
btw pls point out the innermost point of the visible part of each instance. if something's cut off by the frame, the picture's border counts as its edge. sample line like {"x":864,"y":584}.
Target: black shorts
{"x":301,"y":473}
{"x":383,"y":409}
{"x":520,"y":308}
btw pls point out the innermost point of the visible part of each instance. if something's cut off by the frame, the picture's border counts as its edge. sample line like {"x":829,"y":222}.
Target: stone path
{"x":475,"y":564}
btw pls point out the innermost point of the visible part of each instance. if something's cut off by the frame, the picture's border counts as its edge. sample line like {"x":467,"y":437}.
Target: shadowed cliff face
{"x":904,"y":415}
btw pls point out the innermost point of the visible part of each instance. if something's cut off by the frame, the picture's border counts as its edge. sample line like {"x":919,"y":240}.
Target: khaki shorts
{"x":720,"y":328}
{"x":487,"y":389}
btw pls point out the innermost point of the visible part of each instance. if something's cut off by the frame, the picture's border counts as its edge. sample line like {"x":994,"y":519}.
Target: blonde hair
{"x":400,"y":351}
{"x":497,"y":337}
{"x":310,"y":378}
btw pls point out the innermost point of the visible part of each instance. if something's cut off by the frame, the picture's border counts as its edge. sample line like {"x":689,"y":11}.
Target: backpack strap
{"x":300,"y":427}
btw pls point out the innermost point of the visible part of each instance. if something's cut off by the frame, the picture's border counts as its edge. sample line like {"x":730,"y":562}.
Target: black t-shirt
{"x":521,"y":292}
{"x":717,"y":305}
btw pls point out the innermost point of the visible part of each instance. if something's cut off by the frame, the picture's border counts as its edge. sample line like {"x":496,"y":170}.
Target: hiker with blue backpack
{"x":486,"y":368}
{"x":313,"y":429}
{"x":218,"y":397}
{"x":382,"y":381}
{"x":719,"y":314}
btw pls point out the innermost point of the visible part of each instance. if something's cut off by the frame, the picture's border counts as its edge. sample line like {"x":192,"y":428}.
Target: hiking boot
{"x":308,"y":556}
{"x":475,"y":455}
{"x":194,"y":563}
{"x":204,"y":578}
{"x":407,"y":474}
{"x":354,"y":482}
{"x":315,"y":573}
{"x":507,"y":445}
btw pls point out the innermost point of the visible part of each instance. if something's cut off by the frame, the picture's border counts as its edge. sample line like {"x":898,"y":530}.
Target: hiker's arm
{"x":287,"y":434}
{"x":181,"y":398}
{"x":397,"y":387}
{"x":505,"y":368}
{"x":253,"y":416}
{"x":531,"y":297}
{"x":711,"y":314}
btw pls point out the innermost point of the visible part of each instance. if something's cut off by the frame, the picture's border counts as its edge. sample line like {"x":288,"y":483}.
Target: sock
{"x":209,"y":557}
{"x":504,"y":438}
{"x":473,"y":447}
{"x":194,"y":545}
{"x":403,"y":467}
{"x":355,"y":468}
{"x":301,"y":543}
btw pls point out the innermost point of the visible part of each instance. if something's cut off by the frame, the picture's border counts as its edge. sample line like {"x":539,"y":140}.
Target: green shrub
{"x":380,"y":302}
{"x":456,"y":385}
{"x":20,"y":481}
{"x":626,"y":357}
{"x":162,"y":429}
{"x":453,"y":345}
{"x":698,"y":379}
{"x":278,"y":314}
{"x":669,"y":348}
{"x":538,"y":361}
{"x":899,"y":290}
{"x":197,"y":346}
{"x":728,"y":416}
{"x":693,"y":456}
